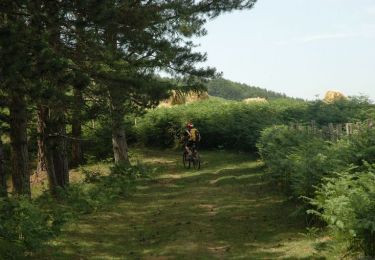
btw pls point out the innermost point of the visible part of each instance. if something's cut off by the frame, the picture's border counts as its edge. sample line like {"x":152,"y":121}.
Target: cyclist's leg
{"x":196,"y":157}
{"x":195,"y":147}
{"x":190,"y":147}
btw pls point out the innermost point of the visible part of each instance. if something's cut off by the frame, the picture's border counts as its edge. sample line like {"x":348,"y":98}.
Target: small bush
{"x":358,"y":147}
{"x":347,"y":203}
{"x":275,"y":145}
{"x":91,"y":176}
{"x":296,"y":159}
{"x":310,"y":162}
{"x":97,"y":190}
{"x":24,"y":226}
{"x":307,"y":164}
{"x":98,"y":138}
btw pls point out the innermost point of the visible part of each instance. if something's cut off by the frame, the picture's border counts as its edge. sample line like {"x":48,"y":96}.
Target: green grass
{"x":226,"y":210}
{"x":39,"y":183}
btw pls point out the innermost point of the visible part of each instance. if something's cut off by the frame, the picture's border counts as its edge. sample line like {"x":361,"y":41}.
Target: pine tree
{"x":3,"y":180}
{"x":54,"y":54}
{"x":14,"y":62}
{"x":141,"y":38}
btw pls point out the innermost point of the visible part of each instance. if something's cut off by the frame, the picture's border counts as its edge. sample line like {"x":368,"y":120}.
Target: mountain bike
{"x":193,"y":159}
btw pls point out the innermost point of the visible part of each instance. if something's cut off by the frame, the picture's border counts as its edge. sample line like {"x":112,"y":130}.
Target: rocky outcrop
{"x":333,"y":96}
{"x":255,"y":100}
{"x":179,"y":98}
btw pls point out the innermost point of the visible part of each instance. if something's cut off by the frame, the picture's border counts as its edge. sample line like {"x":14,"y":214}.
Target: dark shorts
{"x":192,"y":144}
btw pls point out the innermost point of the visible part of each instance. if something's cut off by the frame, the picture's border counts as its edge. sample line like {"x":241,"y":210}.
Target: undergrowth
{"x":334,"y":180}
{"x":27,"y":224}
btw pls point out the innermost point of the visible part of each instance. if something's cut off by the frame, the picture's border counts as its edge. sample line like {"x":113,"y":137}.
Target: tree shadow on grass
{"x":225,"y":212}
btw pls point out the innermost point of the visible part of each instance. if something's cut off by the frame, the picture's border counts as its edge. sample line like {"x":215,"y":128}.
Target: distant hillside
{"x":236,"y":91}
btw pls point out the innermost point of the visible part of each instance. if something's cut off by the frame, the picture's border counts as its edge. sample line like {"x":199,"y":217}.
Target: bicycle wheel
{"x":185,"y":160}
{"x":197,"y":161}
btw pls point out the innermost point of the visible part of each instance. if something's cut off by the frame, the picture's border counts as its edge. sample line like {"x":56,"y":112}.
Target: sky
{"x":302,"y":48}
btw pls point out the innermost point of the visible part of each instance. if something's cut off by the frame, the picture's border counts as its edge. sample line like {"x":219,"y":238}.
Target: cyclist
{"x":191,"y":138}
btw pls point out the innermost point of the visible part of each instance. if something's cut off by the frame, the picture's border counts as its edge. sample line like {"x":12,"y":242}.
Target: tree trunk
{"x":60,"y":155}
{"x":54,"y":147}
{"x":120,"y":147}
{"x":55,"y":127}
{"x":41,"y":164}
{"x":18,"y":138}
{"x":46,"y":143}
{"x":77,"y":152}
{"x":3,"y":179}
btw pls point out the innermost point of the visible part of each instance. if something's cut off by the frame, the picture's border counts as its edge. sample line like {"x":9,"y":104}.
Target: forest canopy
{"x":65,"y":62}
{"x":238,"y":91}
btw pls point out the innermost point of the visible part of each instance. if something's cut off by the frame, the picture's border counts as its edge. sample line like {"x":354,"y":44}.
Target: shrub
{"x":275,"y":145}
{"x":295,"y":159}
{"x":310,"y":162}
{"x":24,"y":226}
{"x":289,"y":110}
{"x":343,"y":111}
{"x":299,"y":160}
{"x":160,"y":127}
{"x":347,"y":203}
{"x":359,"y":147}
{"x":306,"y":165}
{"x":97,"y":190}
{"x":232,"y":125}
{"x":98,"y":139}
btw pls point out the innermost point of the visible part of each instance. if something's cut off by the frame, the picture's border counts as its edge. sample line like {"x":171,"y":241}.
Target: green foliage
{"x":347,"y":203}
{"x":236,"y":91}
{"x":98,"y":138}
{"x":178,"y":206}
{"x":232,"y":125}
{"x":236,"y":125}
{"x":307,"y":165}
{"x":160,"y":127}
{"x":276,"y":144}
{"x":98,"y":190}
{"x":99,"y":144}
{"x":291,"y":110}
{"x":353,"y":109}
{"x":24,"y":226}
{"x":296,"y":160}
{"x":92,"y":176}
{"x":358,"y":147}
{"x":299,"y":160}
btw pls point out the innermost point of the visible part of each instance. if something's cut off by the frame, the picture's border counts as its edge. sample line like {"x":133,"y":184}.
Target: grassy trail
{"x":224,"y":211}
